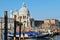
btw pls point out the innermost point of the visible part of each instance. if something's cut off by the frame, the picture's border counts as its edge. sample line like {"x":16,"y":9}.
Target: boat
{"x":30,"y":34}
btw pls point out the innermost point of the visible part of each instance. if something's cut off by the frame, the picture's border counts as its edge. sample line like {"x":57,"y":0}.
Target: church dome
{"x":23,"y":9}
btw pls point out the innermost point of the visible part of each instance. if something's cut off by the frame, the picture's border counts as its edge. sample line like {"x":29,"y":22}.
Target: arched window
{"x":24,"y":17}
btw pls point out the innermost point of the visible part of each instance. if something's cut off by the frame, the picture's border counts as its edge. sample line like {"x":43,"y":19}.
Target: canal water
{"x":57,"y":37}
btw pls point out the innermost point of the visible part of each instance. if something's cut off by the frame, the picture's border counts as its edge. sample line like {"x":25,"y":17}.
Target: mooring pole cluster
{"x":5,"y":25}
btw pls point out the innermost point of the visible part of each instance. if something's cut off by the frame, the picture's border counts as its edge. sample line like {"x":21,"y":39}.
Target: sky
{"x":39,"y":9}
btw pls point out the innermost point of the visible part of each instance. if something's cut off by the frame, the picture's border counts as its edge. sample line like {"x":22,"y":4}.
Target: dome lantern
{"x":24,"y":5}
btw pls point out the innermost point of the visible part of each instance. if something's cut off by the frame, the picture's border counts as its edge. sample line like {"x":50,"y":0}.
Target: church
{"x":24,"y":16}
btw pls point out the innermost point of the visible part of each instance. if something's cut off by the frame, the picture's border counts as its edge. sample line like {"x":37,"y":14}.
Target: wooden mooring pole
{"x":20,"y":24}
{"x":5,"y":25}
{"x":1,"y":27}
{"x":19,"y":29}
{"x":14,"y":27}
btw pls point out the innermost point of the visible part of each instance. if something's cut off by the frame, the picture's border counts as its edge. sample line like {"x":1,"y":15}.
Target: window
{"x":24,"y":21}
{"x":20,"y":17}
{"x":24,"y":17}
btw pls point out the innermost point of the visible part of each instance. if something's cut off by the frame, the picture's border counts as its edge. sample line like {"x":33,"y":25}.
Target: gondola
{"x":28,"y":35}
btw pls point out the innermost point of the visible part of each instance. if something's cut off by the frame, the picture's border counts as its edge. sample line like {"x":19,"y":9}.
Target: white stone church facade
{"x":24,"y":16}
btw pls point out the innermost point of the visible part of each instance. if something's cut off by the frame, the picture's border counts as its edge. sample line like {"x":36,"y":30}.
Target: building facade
{"x":38,"y":23}
{"x":10,"y":23}
{"x":23,"y":15}
{"x":49,"y":23}
{"x":52,"y":22}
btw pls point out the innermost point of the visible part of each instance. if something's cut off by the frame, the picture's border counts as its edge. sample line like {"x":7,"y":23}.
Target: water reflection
{"x":39,"y":39}
{"x":48,"y":38}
